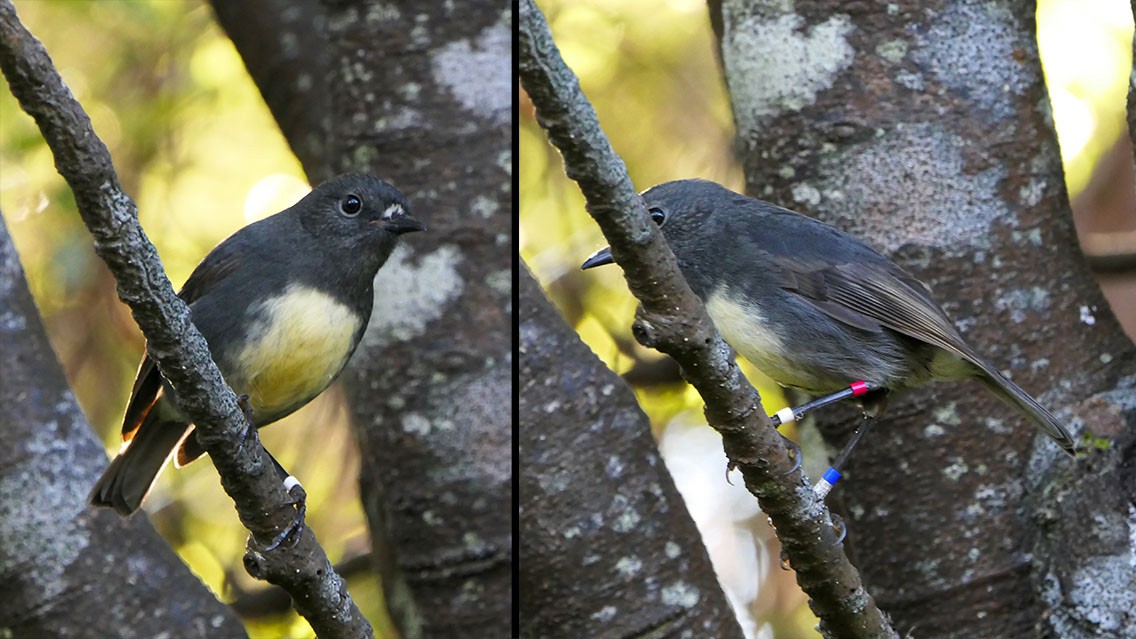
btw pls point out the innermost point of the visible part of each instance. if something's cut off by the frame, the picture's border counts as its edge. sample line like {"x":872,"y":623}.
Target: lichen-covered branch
{"x":50,"y":457}
{"x":576,"y":423}
{"x":178,"y":349}
{"x":672,"y":320}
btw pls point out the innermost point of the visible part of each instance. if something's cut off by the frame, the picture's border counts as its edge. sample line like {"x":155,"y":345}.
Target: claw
{"x":300,"y":502}
{"x":838,"y":527}
{"x":785,"y":565}
{"x":246,"y":409}
{"x":298,"y":499}
{"x":794,"y":454}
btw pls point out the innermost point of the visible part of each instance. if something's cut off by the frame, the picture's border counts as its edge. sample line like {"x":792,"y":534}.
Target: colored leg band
{"x":789,"y":415}
{"x":824,"y":486}
{"x":785,"y":416}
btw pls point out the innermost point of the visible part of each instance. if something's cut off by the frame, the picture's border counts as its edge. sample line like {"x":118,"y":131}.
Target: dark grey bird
{"x":812,"y":307}
{"x":282,"y":303}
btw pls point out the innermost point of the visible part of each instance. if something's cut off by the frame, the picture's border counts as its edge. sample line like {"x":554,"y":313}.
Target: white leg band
{"x":786,"y":415}
{"x":822,"y":489}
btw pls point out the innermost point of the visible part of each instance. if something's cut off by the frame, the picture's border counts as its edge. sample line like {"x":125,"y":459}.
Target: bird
{"x":814,"y":308}
{"x":283,"y":304}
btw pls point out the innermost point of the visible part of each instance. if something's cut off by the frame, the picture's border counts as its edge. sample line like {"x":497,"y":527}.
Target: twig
{"x":673,"y":320}
{"x":181,"y":354}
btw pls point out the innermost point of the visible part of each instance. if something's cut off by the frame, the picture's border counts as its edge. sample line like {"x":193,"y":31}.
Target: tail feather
{"x":1009,"y":392}
{"x":129,"y":477}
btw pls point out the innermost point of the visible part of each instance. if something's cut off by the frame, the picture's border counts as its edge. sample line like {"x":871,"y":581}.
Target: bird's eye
{"x":657,"y":215}
{"x":351,"y":205}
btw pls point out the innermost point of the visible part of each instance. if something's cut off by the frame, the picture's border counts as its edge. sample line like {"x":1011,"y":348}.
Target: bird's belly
{"x":300,"y":347}
{"x":811,"y":366}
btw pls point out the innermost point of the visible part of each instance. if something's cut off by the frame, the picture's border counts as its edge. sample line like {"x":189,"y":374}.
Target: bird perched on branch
{"x":813,"y":307}
{"x":282,"y":303}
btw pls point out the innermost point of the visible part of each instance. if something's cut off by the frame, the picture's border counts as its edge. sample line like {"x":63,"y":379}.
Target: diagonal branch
{"x":672,"y":320}
{"x":178,"y":349}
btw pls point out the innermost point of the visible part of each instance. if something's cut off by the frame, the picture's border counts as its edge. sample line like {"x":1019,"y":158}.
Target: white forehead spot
{"x":392,"y":210}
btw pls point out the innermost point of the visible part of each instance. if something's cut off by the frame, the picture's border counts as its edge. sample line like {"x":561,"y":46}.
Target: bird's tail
{"x":129,"y":477}
{"x":1009,"y":392}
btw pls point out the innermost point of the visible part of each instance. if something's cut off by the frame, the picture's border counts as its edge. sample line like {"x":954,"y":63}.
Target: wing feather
{"x":874,"y":295}
{"x":147,"y":390}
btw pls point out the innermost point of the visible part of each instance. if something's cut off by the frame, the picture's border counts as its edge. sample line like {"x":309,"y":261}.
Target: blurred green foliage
{"x":1086,"y":52}
{"x":651,"y":71}
{"x":196,"y":147}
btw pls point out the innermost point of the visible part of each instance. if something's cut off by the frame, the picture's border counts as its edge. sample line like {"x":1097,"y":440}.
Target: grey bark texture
{"x":421,"y":95}
{"x":64,"y":569}
{"x":607,"y":545}
{"x":925,"y":129}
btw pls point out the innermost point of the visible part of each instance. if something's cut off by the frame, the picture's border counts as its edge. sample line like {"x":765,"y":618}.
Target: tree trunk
{"x":64,"y":569}
{"x":925,"y":131}
{"x":607,"y":545}
{"x":284,"y":47}
{"x":422,"y":98}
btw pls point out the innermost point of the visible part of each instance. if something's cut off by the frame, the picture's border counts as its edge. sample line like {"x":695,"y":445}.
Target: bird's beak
{"x":403,"y":224}
{"x":599,"y":258}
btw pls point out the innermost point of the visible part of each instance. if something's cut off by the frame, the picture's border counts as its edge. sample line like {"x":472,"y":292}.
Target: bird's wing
{"x":870,"y":295}
{"x":217,"y":265}
{"x":809,"y":282}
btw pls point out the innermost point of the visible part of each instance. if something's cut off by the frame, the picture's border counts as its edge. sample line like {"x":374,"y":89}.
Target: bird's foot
{"x":795,"y":454}
{"x":246,"y":410}
{"x":299,"y":501}
{"x":838,"y":527}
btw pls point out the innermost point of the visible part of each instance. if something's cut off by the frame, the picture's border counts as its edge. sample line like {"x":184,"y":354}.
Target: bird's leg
{"x":832,"y":475}
{"x":299,"y":500}
{"x":246,"y":410}
{"x":874,"y":402}
{"x":855,"y":389}
{"x":787,"y":415}
{"x":292,"y":485}
{"x":873,"y":399}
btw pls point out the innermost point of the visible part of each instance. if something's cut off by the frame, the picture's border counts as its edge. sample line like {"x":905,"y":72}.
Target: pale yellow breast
{"x":296,"y":353}
{"x":746,"y":329}
{"x":738,"y":323}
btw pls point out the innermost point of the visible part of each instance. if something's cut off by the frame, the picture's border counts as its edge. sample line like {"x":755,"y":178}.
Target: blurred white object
{"x":693,"y":454}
